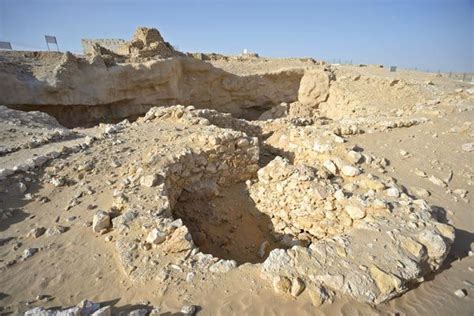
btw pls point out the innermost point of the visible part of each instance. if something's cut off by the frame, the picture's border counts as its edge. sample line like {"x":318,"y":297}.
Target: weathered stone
{"x":460,"y":293}
{"x":155,"y":236}
{"x":420,"y":192}
{"x":413,"y":247}
{"x":223,"y":266}
{"x":189,"y":310}
{"x":387,"y":283}
{"x":354,"y":156}
{"x":354,"y":212}
{"x":282,"y":284}
{"x":179,"y":241}
{"x":334,"y":282}
{"x":434,"y":243}
{"x":149,"y":181}
{"x":393,"y":192}
{"x":56,"y":230}
{"x":437,"y":181}
{"x":103,"y":311}
{"x":36,"y":232}
{"x":29,"y":252}
{"x":318,"y":295}
{"x":468,"y":147}
{"x":350,"y":171}
{"x":100,"y":221}
{"x":330,"y":166}
{"x":297,"y":287}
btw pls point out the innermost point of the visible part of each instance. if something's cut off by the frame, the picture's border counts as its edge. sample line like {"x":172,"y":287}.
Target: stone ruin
{"x":146,"y":43}
{"x":326,"y":208}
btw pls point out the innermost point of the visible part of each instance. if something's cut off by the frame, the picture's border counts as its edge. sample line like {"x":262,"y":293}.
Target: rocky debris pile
{"x":183,"y":151}
{"x":296,"y":199}
{"x":324,"y":200}
{"x":342,"y":216}
{"x":90,"y":308}
{"x":23,"y":130}
{"x":216,"y":157}
{"x":392,"y":259}
{"x":150,"y":245}
{"x":147,"y":42}
{"x":330,"y":198}
{"x":208,"y":56}
{"x":205,"y":117}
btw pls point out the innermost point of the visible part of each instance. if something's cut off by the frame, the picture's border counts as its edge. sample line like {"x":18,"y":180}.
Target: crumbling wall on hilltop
{"x":110,"y":44}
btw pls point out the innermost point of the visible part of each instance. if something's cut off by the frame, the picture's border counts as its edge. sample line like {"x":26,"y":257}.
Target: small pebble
{"x":460,"y":293}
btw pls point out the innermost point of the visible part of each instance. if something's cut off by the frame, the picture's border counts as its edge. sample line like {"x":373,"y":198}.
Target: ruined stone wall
{"x":110,"y":44}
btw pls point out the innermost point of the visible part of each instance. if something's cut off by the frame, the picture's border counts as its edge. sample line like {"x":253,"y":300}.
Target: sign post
{"x":51,"y":40}
{"x":6,"y":45}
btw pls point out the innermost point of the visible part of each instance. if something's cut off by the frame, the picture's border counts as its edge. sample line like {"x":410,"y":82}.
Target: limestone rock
{"x":297,"y":287}
{"x":354,"y":212}
{"x":103,"y":311}
{"x":420,"y":192}
{"x":189,"y":310}
{"x":155,"y":236}
{"x":350,"y":171}
{"x":56,"y":230}
{"x":223,"y":266}
{"x":437,"y":181}
{"x":36,"y":232}
{"x":318,"y":295}
{"x":354,"y":156}
{"x":314,"y":87}
{"x":149,"y":180}
{"x":460,"y":293}
{"x":393,"y":192}
{"x":29,"y":252}
{"x":282,"y":284}
{"x":100,"y":221}
{"x":387,"y":283}
{"x":179,"y":241}
{"x":468,"y":147}
{"x":330,"y":166}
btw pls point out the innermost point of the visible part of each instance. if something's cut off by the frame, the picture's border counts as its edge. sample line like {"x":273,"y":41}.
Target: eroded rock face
{"x":314,"y":87}
{"x":128,"y":89}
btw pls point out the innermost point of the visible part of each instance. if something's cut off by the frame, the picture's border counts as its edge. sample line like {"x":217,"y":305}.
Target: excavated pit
{"x":228,"y":226}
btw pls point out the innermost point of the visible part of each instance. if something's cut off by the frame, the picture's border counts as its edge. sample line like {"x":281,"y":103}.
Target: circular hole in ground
{"x":228,"y":226}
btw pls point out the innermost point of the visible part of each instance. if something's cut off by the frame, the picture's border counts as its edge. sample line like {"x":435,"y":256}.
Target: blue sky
{"x":424,"y":34}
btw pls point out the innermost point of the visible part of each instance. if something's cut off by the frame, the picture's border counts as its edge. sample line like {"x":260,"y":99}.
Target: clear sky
{"x":425,"y":34}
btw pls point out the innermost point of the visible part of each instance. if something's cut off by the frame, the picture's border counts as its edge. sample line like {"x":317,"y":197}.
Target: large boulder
{"x":314,"y":87}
